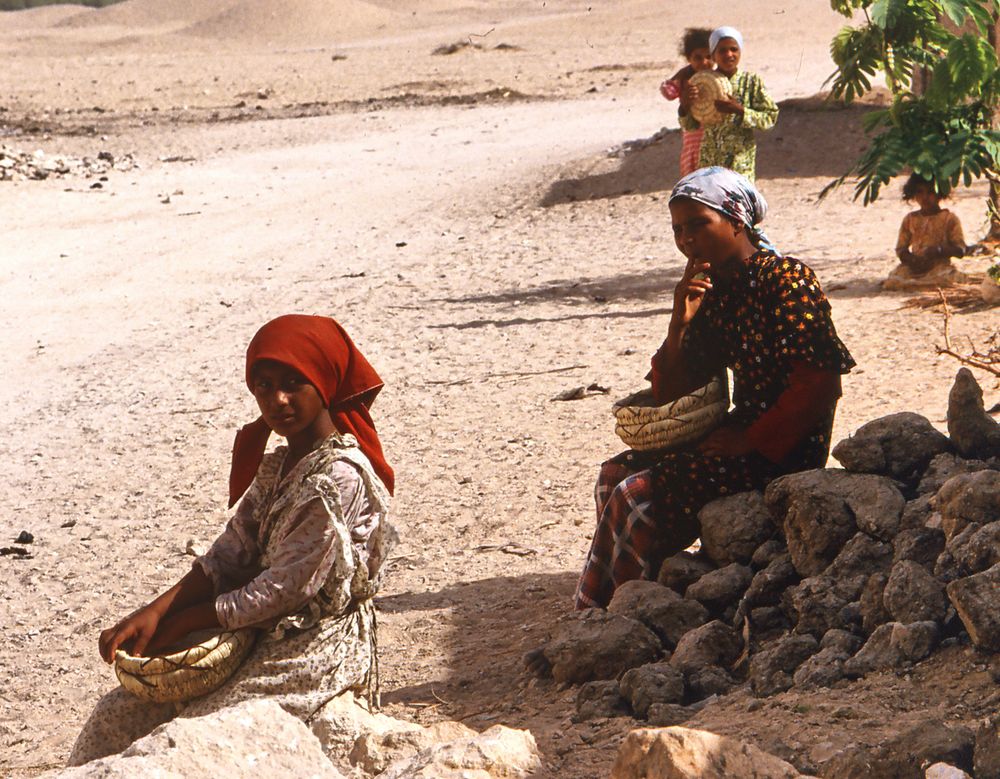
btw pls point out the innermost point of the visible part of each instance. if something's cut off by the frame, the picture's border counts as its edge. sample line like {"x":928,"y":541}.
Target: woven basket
{"x":712,"y":86}
{"x":187,"y":673}
{"x":642,"y":425}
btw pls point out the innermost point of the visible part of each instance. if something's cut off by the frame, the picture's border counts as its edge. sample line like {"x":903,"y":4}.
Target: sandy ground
{"x":481,"y":226}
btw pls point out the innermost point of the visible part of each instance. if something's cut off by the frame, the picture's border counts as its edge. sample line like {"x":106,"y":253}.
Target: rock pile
{"x":828,"y":575}
{"x":18,"y":165}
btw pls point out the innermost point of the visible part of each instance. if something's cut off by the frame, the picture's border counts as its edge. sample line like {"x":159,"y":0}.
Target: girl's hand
{"x":688,"y":94}
{"x":726,"y":442}
{"x":132,"y":634}
{"x":690,"y":291}
{"x":729,"y":106}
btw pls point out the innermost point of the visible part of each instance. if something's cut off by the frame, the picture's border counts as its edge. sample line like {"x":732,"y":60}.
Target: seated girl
{"x":928,"y":238}
{"x":301,"y":557}
{"x":742,"y":306}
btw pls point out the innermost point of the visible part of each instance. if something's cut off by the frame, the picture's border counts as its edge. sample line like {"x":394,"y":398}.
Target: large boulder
{"x":912,"y":594}
{"x":734,"y":526}
{"x":861,"y":556}
{"x":251,"y":739}
{"x":973,"y":432}
{"x":768,"y":585}
{"x":600,"y":699}
{"x":892,"y":645}
{"x":821,"y":510}
{"x":986,"y":758}
{"x":682,"y":753}
{"x":899,"y":446}
{"x":659,"y":608}
{"x":975,"y":598}
{"x":921,"y":544}
{"x":816,"y":604}
{"x":593,"y":644}
{"x":497,"y":753}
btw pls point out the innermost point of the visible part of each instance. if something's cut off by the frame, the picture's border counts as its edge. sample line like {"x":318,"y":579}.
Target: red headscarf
{"x":321,"y":350}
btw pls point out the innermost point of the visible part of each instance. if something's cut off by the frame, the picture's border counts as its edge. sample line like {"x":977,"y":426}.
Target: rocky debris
{"x":973,"y":550}
{"x":922,"y":545}
{"x":968,"y":497}
{"x":593,"y":644}
{"x":705,"y":682}
{"x":653,"y":683}
{"x":821,"y":510}
{"x":600,"y":700}
{"x":823,"y":669}
{"x":660,"y":609}
{"x":720,"y":588}
{"x":500,"y":752}
{"x":711,"y":644}
{"x":732,"y":528}
{"x":912,"y":594}
{"x":861,"y":556}
{"x":251,"y":739}
{"x":682,"y":753}
{"x":986,"y":756}
{"x":904,"y":755}
{"x":767,"y":553}
{"x":682,"y":569}
{"x":972,"y":431}
{"x":815,"y":605}
{"x":918,"y":512}
{"x":975,"y":598}
{"x":899,"y":446}
{"x":841,"y":641}
{"x":772,"y":667}
{"x":768,"y":584}
{"x":891,"y":645}
{"x":943,"y":467}
{"x":873,"y":610}
{"x":17,"y":165}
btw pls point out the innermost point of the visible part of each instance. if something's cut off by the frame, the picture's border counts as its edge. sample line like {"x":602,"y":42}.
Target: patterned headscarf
{"x":322,"y":351}
{"x":723,"y":32}
{"x":732,"y":195}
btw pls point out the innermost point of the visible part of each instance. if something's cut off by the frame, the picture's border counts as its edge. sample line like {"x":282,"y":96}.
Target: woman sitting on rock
{"x":301,"y":557}
{"x":739,"y":305}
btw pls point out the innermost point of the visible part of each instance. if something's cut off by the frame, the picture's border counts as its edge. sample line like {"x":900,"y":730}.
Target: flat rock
{"x":374,"y":752}
{"x":711,"y":644}
{"x":593,"y":644}
{"x":251,"y":739}
{"x":973,"y":432}
{"x":772,"y":668}
{"x":343,"y":720}
{"x":682,"y":753}
{"x":975,"y":598}
{"x":913,"y":594}
{"x":733,"y":527}
{"x":652,"y":683}
{"x":659,"y":608}
{"x":898,"y":446}
{"x":500,"y":753}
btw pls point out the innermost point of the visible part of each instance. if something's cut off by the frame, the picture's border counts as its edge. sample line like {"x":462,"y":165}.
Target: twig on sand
{"x":511,"y":547}
{"x":196,"y":410}
{"x":504,"y":375}
{"x":988,"y":361}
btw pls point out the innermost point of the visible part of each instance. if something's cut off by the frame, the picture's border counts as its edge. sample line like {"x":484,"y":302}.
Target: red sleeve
{"x":810,"y":394}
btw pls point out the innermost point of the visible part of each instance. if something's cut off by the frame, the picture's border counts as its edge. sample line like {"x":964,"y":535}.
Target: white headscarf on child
{"x":723,"y":32}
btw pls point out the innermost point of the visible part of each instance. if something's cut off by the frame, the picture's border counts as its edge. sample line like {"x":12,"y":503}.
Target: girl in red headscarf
{"x":301,"y":557}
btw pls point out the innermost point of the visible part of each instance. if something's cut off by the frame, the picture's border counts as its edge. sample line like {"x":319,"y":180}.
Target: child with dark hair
{"x":694,"y":48}
{"x":928,"y":238}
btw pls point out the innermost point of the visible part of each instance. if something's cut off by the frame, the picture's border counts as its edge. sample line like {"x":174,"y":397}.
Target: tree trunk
{"x":993,"y":236}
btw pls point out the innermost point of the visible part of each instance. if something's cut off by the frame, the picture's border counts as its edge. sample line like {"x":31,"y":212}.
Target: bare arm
{"x":671,"y":376}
